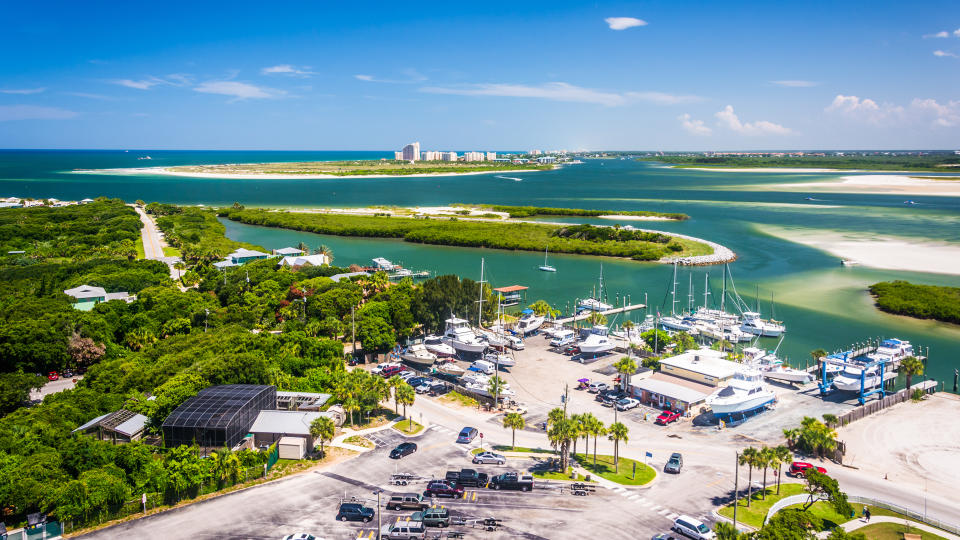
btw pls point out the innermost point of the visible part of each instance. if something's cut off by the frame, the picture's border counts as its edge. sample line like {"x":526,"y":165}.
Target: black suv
{"x":354,"y":512}
{"x":403,"y":449}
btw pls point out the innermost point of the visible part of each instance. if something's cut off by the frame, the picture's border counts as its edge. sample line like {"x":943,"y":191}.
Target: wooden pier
{"x":585,"y":314}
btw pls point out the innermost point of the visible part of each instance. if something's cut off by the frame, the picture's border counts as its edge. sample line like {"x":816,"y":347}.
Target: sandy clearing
{"x":891,"y":253}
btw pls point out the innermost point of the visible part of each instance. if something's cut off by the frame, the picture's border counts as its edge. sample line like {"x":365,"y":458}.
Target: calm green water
{"x":822,"y":303}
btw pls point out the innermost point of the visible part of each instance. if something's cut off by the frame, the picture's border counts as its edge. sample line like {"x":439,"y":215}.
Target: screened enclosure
{"x":218,"y":416}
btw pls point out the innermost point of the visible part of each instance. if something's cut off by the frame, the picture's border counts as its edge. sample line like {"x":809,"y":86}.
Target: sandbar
{"x":886,"y":252}
{"x":881,"y":184}
{"x":269,"y":176}
{"x":635,"y":218}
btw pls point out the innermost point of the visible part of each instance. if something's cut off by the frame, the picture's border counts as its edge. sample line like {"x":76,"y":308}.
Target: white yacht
{"x":451,"y":368}
{"x":501,"y":360}
{"x":753,"y":324}
{"x":597,"y":342}
{"x":593,"y":304}
{"x":419,"y":355}
{"x":849,"y":379}
{"x":744,"y":393}
{"x":679,"y":324}
{"x":436,"y":345}
{"x":461,"y":337}
{"x":492,"y":338}
{"x":484,"y":390}
{"x":892,"y":350}
{"x":529,"y":322}
{"x":546,"y":267}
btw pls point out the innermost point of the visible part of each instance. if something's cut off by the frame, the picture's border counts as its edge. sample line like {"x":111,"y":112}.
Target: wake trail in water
{"x":509,"y":178}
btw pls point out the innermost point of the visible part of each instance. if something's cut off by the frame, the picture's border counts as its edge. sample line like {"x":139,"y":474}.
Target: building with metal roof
{"x":704,"y":366}
{"x":661,"y":392}
{"x":119,"y":426}
{"x":218,"y":416}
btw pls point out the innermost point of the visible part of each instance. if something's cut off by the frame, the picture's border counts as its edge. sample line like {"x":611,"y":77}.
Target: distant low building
{"x":382,"y":264}
{"x":288,"y":252}
{"x":473,"y":156}
{"x":244,"y":255}
{"x":705,"y":366}
{"x":304,"y":260}
{"x":667,"y":392}
{"x":87,"y":296}
{"x":121,"y":426}
{"x":546,"y":159}
{"x":491,"y":156}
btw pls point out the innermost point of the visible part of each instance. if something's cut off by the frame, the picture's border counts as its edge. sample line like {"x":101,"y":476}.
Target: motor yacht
{"x":753,"y":324}
{"x":850,"y":378}
{"x":418,"y":355}
{"x":597,"y":342}
{"x":436,"y":345}
{"x":744,"y":393}
{"x":529,"y":322}
{"x":461,"y":337}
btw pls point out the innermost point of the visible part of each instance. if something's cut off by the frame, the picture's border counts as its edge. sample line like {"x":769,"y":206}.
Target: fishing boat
{"x":679,"y":324}
{"x":753,"y":324}
{"x":500,"y":360}
{"x":597,"y":342}
{"x":484,"y":390}
{"x":529,"y":322}
{"x":461,"y":337}
{"x":418,"y":355}
{"x":450,"y":368}
{"x":436,"y":345}
{"x":546,"y":267}
{"x":744,"y":393}
{"x":850,"y":378}
{"x":891,"y":350}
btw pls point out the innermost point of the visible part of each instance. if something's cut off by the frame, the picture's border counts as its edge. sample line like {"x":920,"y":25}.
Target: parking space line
{"x":673,"y":515}
{"x":633,"y":497}
{"x":655,"y":507}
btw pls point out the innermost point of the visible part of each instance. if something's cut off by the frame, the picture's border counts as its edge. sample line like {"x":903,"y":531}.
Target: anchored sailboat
{"x":546,"y":267}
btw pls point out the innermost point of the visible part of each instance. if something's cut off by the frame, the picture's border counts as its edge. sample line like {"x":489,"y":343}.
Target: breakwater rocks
{"x":720,"y":255}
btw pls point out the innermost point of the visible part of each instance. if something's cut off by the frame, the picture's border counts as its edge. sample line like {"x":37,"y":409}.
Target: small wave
{"x":509,"y":178}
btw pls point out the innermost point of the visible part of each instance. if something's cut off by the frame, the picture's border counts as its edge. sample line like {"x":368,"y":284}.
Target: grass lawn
{"x":141,"y":254}
{"x":557,"y":475}
{"x":171,"y":251}
{"x":893,"y":531}
{"x":359,"y":441}
{"x":408,"y":426}
{"x":506,"y":448}
{"x":457,"y":397}
{"x":605,"y":468}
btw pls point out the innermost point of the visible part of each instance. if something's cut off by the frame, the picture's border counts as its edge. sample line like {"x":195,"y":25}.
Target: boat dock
{"x":584,"y":315}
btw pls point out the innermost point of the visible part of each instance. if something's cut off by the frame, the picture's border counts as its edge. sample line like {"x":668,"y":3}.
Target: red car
{"x":668,"y":416}
{"x":444,"y":489}
{"x":53,"y":376}
{"x":799,"y":468}
{"x":390,"y":371}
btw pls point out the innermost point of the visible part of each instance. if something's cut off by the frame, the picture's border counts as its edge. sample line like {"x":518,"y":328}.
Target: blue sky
{"x":669,"y":75}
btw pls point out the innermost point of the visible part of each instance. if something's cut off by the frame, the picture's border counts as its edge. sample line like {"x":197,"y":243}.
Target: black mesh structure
{"x":218,"y":416}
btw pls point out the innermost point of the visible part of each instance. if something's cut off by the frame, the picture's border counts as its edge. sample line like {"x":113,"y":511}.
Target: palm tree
{"x":559,"y":434}
{"x":596,"y":428}
{"x":302,"y":246}
{"x":180,"y":267}
{"x":628,"y":326}
{"x":617,"y":432}
{"x":495,"y":386}
{"x":764,"y":459}
{"x":406,"y":395}
{"x":780,"y":456}
{"x":749,"y":458}
{"x":626,"y":367}
{"x":596,"y":318}
{"x":911,"y":366}
{"x":514,"y":421}
{"x":325,"y":250}
{"x":555,"y":415}
{"x":322,"y":429}
{"x":394,"y":382}
{"x":576,"y":431}
{"x":817,"y":354}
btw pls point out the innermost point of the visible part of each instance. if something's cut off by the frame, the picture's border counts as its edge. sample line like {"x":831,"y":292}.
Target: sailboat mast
{"x":690,"y":294}
{"x":706,"y":290}
{"x":480,"y":303}
{"x":673,"y":303}
{"x":723,"y":292}
{"x":600,"y":296}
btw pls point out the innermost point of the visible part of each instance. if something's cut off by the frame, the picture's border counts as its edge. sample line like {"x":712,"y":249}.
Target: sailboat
{"x":595,"y":303}
{"x":546,"y":267}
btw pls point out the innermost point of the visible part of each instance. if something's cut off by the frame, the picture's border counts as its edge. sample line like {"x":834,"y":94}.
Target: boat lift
{"x":863,"y":367}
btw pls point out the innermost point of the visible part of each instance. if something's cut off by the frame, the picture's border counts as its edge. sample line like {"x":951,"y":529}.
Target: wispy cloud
{"x":31,"y":112}
{"x":412,"y":76}
{"x":941,"y":34}
{"x":560,"y":91}
{"x":795,"y":83}
{"x":696,"y":127}
{"x":91,"y":96}
{"x":22,"y":91}
{"x":174,"y":79}
{"x":287,"y":69}
{"x":144,"y":84}
{"x":728,"y":119}
{"x":622,"y":23}
{"x":919,"y":111}
{"x":945,"y":54}
{"x":238,"y":90}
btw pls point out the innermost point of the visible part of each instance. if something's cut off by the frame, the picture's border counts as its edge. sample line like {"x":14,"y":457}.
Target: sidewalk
{"x":347,"y":433}
{"x":855,"y":524}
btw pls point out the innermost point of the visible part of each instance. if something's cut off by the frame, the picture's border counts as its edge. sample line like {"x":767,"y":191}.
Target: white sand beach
{"x":887,"y":252}
{"x":881,"y":184}
{"x":240,"y":176}
{"x":635,"y":218}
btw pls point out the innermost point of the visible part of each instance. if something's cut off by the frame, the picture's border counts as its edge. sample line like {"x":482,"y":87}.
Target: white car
{"x":380,"y":367}
{"x":407,"y":374}
{"x":626,"y":404}
{"x":597,"y":387}
{"x":489,"y":457}
{"x":425,"y":387}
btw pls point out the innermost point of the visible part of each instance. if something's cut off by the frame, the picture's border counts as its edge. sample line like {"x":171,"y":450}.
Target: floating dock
{"x":584,"y":315}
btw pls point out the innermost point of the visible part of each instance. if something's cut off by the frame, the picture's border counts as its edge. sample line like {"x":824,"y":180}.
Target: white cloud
{"x":956,"y":32}
{"x":919,"y":111}
{"x":795,"y":84}
{"x":238,"y":90}
{"x":728,"y":119}
{"x":145,"y":84}
{"x":22,"y":91}
{"x":287,"y":69}
{"x":90,"y":96}
{"x":561,"y":91}
{"x":622,"y":23}
{"x":31,"y":112}
{"x":174,"y":79}
{"x":696,"y":127}
{"x":945,"y":54}
{"x":413,"y":76}
{"x":941,"y":34}
{"x":368,"y":78}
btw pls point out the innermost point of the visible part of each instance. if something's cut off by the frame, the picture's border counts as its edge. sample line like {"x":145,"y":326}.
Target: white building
{"x":411,"y":152}
{"x":704,"y":366}
{"x":491,"y":156}
{"x":473,"y":156}
{"x":430,"y":155}
{"x":296,"y":261}
{"x":398,"y":156}
{"x":535,"y":152}
{"x":546,"y":159}
{"x":448,"y":156}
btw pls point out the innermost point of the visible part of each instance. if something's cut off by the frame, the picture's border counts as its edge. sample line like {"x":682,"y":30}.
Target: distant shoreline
{"x":165,"y":171}
{"x":802,"y":170}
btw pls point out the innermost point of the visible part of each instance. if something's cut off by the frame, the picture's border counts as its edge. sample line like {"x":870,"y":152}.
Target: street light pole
{"x":736,"y":487}
{"x":379,"y":524}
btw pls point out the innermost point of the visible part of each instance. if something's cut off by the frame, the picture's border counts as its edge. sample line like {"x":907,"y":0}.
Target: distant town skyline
{"x":609,"y":76}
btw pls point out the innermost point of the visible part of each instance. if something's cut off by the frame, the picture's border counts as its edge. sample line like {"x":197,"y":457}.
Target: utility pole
{"x":736,"y":487}
{"x":353,"y":338}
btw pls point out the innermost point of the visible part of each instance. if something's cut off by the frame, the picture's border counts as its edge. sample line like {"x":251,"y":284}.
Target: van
{"x":692,"y":528}
{"x":483,"y":366}
{"x":433,"y":517}
{"x":562,"y":338}
{"x":406,"y":501}
{"x":407,"y":530}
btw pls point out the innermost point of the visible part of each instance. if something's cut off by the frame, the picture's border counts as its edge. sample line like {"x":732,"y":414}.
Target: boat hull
{"x":791,"y":375}
{"x":724,"y":409}
{"x":464,"y":346}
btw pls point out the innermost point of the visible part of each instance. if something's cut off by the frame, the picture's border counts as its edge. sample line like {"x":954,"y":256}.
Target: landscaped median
{"x":408,"y":427}
{"x":627,"y":475}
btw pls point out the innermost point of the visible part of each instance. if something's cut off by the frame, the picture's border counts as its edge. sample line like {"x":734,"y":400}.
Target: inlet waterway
{"x":822,"y":303}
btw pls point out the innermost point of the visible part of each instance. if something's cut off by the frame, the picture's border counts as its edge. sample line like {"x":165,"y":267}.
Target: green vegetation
{"x":457,"y":397}
{"x":812,"y":437}
{"x":894,"y":531}
{"x":195,"y":232}
{"x":531,"y":211}
{"x":942,"y":162}
{"x":606,"y":468}
{"x":360,"y":167}
{"x":918,"y":301}
{"x":583,"y":239}
{"x":359,"y":440}
{"x":106,"y":228}
{"x":753,"y":510}
{"x":557,"y":475}
{"x":408,"y":427}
